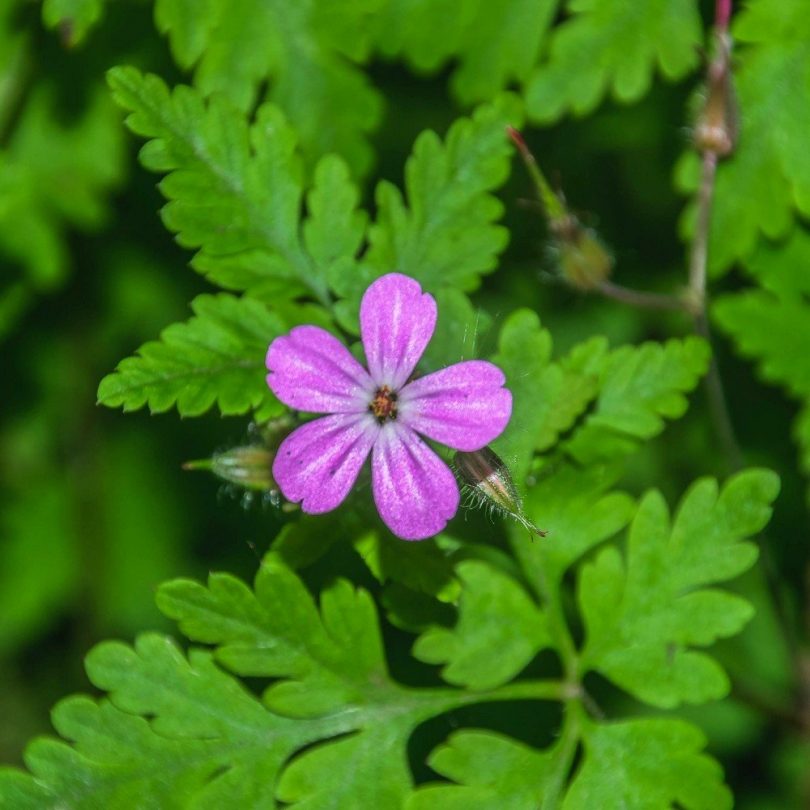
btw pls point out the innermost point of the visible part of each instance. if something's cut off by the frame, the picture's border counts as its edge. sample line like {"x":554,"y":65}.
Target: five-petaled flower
{"x":380,"y":412}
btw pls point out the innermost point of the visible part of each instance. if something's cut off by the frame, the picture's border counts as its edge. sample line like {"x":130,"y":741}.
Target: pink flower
{"x":378,"y":411}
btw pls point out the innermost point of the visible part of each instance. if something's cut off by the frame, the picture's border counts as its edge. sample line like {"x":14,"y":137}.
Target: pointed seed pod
{"x":487,"y":480}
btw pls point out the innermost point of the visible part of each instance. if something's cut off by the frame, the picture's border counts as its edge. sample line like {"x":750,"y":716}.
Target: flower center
{"x":384,"y":405}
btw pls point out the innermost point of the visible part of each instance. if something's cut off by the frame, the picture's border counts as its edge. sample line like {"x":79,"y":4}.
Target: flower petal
{"x":415,"y":492}
{"x":318,"y":463}
{"x":311,"y":370}
{"x":463,"y":406}
{"x":396,"y":323}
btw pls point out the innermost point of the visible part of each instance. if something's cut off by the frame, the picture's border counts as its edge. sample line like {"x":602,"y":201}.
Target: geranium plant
{"x":410,"y":638}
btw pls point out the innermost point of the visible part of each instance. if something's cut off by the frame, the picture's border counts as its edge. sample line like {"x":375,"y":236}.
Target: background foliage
{"x":651,"y":652}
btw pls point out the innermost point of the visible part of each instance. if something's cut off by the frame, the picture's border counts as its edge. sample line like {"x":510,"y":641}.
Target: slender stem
{"x":555,"y":210}
{"x":426,"y":703}
{"x":698,"y":258}
{"x":639,"y":298}
{"x":718,"y":404}
{"x":558,"y":625}
{"x":700,"y":243}
{"x":564,"y":755}
{"x":722,"y":14}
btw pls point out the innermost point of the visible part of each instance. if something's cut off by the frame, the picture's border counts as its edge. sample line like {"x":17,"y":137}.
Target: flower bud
{"x":250,"y":467}
{"x":487,"y":480}
{"x":584,"y":262}
{"x":717,"y":126}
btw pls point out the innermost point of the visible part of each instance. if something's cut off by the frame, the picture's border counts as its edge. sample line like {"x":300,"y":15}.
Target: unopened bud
{"x":250,"y":467}
{"x":717,"y":125}
{"x":489,"y":484}
{"x":583,"y":260}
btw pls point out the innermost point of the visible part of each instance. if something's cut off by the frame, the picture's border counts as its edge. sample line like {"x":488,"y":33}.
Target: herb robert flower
{"x":381,"y":412}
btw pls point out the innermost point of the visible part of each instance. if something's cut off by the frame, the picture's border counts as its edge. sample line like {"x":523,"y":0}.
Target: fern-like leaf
{"x":215,"y":358}
{"x":612,"y":45}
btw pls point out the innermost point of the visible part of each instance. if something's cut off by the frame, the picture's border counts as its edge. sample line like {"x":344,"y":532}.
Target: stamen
{"x":384,"y":405}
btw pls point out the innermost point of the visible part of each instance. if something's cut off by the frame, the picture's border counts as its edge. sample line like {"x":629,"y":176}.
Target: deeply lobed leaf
{"x":639,"y":387}
{"x":490,"y":771}
{"x":215,"y":358}
{"x":327,"y":659}
{"x":647,"y":764}
{"x":495,"y":612}
{"x":645,"y":611}
{"x":612,"y":45}
{"x":236,"y":191}
{"x":306,"y":50}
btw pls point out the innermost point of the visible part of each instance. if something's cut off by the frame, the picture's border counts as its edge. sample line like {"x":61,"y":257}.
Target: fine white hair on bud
{"x":488,"y":483}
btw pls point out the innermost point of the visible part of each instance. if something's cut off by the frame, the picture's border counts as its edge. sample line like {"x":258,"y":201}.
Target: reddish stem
{"x":722,"y":15}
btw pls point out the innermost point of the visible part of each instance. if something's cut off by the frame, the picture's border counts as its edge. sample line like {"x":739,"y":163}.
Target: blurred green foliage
{"x":305,"y":149}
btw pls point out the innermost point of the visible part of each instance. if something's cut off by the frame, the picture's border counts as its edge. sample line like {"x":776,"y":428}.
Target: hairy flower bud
{"x":488,"y":481}
{"x":583,"y":260}
{"x":249,"y":467}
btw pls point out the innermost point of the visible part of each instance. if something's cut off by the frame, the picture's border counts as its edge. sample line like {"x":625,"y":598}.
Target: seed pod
{"x":487,"y":480}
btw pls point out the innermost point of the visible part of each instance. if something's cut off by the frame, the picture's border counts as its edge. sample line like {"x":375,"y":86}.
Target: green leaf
{"x":547,"y":399}
{"x":209,"y":741}
{"x":236,"y":191}
{"x":55,"y":175}
{"x":306,"y":50}
{"x":74,"y":18}
{"x":647,"y":764}
{"x":782,"y":267}
{"x":767,"y":179}
{"x":216,"y":358}
{"x":612,"y":46}
{"x":493,"y":43}
{"x":442,"y":232}
{"x":645,"y":611}
{"x":334,"y":230}
{"x":423,"y":566}
{"x":446,"y":235}
{"x":495,"y":613}
{"x":578,"y":509}
{"x":774,"y":332}
{"x":327,"y":660}
{"x":460,"y":327}
{"x":491,"y":771}
{"x":639,"y":387}
{"x":376,"y":759}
